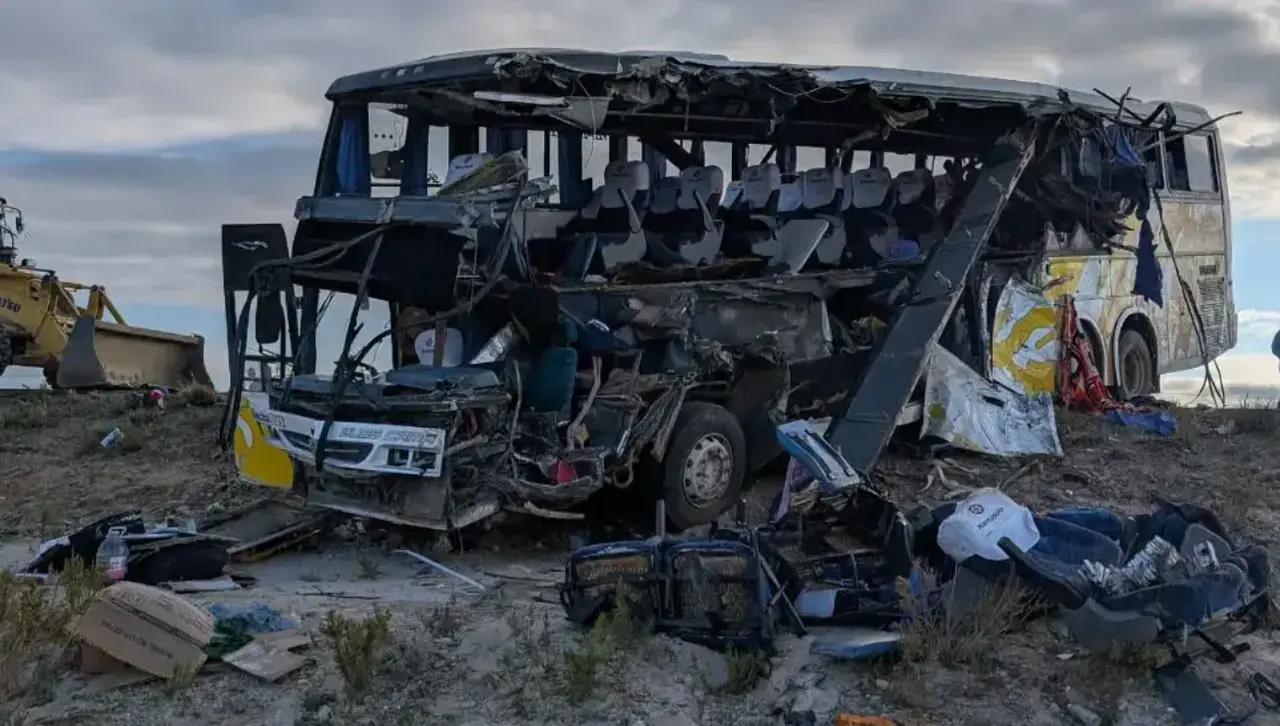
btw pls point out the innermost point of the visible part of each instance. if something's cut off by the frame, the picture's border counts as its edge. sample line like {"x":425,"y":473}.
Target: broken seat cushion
{"x":1092,"y":554}
{"x":708,"y":591}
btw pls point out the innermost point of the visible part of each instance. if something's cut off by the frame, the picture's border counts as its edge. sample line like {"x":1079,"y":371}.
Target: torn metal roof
{"x":954,"y":87}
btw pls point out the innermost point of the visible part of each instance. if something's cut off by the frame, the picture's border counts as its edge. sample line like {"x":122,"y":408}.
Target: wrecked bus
{"x":556,"y":331}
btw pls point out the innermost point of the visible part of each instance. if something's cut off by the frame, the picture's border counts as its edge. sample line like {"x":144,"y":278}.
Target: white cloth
{"x":978,"y":523}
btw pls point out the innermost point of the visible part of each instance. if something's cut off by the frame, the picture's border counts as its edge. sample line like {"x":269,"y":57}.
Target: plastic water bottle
{"x":113,"y":555}
{"x":111,"y":438}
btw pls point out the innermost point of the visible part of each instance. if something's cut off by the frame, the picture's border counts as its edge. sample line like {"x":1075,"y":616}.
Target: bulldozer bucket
{"x":101,"y":354}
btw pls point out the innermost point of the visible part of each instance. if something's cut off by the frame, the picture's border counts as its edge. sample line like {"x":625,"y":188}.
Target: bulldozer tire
{"x":6,"y":352}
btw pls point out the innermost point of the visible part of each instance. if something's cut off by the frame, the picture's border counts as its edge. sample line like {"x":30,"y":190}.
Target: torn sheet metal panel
{"x":1024,"y":346}
{"x":742,"y":318}
{"x":972,"y":413}
{"x":679,"y":67}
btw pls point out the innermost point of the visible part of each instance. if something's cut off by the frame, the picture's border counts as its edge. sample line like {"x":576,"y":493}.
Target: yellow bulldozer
{"x":78,"y":345}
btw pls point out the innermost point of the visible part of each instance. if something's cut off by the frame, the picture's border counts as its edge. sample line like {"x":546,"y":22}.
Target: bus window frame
{"x":1192,"y":195}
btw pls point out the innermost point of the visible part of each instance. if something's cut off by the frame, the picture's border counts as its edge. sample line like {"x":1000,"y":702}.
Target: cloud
{"x":145,"y":124}
{"x":147,"y":224}
{"x":1259,"y":324}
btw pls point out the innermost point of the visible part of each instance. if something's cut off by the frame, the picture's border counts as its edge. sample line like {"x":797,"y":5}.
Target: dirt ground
{"x":508,"y":656}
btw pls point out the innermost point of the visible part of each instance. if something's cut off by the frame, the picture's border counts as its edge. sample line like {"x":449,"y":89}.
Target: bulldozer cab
{"x":11,"y":225}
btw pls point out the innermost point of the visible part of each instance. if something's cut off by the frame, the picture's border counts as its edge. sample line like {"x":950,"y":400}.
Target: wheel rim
{"x":1135,"y":372}
{"x":707,"y":471}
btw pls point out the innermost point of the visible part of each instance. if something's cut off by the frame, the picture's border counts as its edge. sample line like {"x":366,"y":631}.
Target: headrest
{"x":870,"y":187}
{"x":464,"y":164}
{"x":912,"y":185}
{"x":821,"y":187}
{"x":792,"y":196}
{"x":759,"y":183}
{"x":706,"y":181}
{"x":632,"y":176}
{"x":666,"y":195}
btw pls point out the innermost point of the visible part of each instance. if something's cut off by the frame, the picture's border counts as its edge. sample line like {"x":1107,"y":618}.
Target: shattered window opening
{"x":898,"y":163}
{"x":1191,"y":164}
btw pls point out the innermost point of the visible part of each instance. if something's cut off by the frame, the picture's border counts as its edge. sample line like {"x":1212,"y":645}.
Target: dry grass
{"x":593,"y":662}
{"x":1253,"y":419}
{"x":596,"y":657}
{"x":24,"y":413}
{"x":1106,"y":676}
{"x":444,"y":621}
{"x":743,"y":669}
{"x":370,"y":564}
{"x":167,"y":462}
{"x":36,"y":627}
{"x":358,"y":645}
{"x":934,"y":635}
{"x":197,"y":394}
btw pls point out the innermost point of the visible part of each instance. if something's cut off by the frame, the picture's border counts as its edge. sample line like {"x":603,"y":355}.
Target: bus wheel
{"x":704,"y":466}
{"x":1136,"y":375}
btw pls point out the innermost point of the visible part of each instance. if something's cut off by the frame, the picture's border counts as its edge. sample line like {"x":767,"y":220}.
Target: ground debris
{"x":452,"y":656}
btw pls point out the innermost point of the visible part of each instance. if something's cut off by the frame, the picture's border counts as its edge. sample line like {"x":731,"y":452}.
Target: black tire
{"x":6,"y":352}
{"x":1136,"y":367}
{"x":695,"y":486}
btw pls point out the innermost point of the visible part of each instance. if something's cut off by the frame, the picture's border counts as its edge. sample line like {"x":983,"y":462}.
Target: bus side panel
{"x":1197,"y":230}
{"x":1102,"y":285}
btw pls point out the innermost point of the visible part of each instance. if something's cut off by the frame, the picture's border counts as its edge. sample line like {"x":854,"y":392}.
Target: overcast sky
{"x":131,"y":129}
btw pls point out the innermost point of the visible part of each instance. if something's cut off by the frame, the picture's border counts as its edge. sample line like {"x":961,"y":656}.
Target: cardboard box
{"x":95,"y":662}
{"x":150,"y":629}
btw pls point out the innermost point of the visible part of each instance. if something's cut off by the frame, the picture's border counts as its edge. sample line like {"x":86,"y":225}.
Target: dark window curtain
{"x":353,"y":151}
{"x":499,"y":141}
{"x":416,"y":173}
{"x":574,"y":190}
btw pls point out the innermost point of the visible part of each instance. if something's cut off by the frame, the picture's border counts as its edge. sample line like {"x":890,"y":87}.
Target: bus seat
{"x":824,"y":201}
{"x":870,"y":228}
{"x":871,"y":188}
{"x":608,"y":229}
{"x":915,"y":211}
{"x":753,"y":215}
{"x":619,"y":204}
{"x":761,"y":187}
{"x":464,"y":164}
{"x":663,"y":219}
{"x":791,"y":194}
{"x":689,"y":234}
{"x":700,"y":190}
{"x":809,"y":211}
{"x":790,"y":207}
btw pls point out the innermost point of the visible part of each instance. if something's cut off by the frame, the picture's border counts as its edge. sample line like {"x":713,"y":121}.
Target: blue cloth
{"x":256,"y":618}
{"x":1148,"y":278}
{"x":904,"y":249}
{"x":1123,"y":147}
{"x":1069,"y":537}
{"x":1159,"y":421}
{"x":1275,"y":345}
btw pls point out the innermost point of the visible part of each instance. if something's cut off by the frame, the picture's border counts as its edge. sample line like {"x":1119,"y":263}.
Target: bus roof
{"x":479,"y":64}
